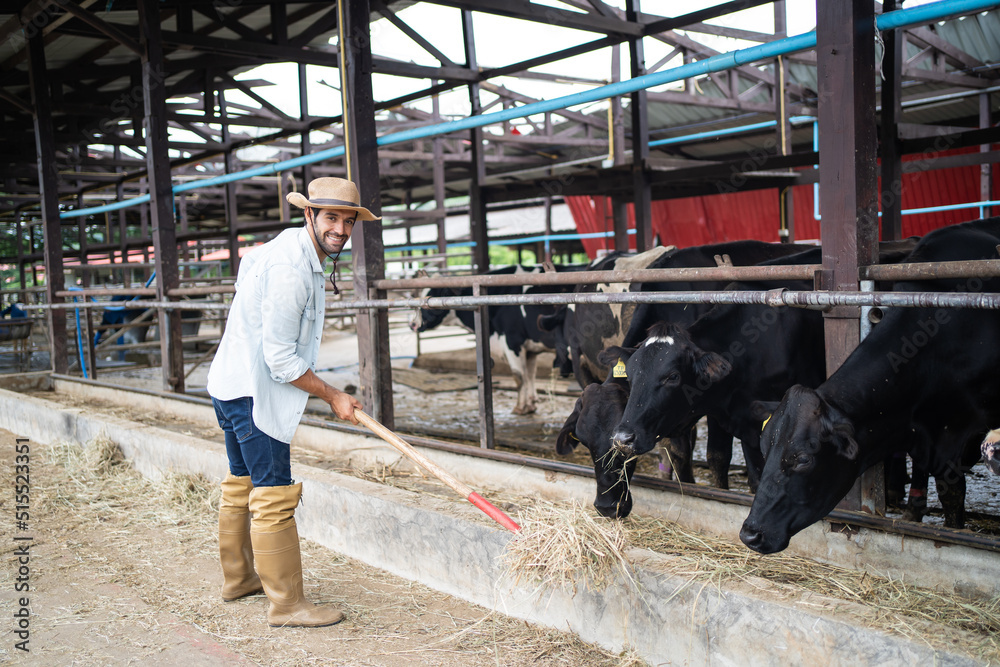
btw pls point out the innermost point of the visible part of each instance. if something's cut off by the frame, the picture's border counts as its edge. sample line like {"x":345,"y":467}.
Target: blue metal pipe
{"x":711,"y":134}
{"x":717,"y":63}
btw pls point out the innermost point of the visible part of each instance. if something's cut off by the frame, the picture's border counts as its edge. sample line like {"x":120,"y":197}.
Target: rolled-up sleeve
{"x":285,"y":294}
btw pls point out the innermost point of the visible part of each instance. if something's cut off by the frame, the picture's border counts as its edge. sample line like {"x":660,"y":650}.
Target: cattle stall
{"x":182,"y":179}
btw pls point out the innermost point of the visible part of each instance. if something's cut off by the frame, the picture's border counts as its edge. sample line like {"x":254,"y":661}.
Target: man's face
{"x":330,"y":228}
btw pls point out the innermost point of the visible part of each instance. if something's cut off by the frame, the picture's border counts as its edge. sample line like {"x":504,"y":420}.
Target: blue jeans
{"x":251,"y":451}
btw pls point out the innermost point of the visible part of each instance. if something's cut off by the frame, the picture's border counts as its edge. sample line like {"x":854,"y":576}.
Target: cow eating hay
{"x":561,"y":544}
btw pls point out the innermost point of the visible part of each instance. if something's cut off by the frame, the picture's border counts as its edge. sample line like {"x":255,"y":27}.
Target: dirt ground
{"x":125,"y":571}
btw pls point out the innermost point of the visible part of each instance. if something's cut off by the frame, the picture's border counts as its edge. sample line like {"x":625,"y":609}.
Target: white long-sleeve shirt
{"x":273,"y":332}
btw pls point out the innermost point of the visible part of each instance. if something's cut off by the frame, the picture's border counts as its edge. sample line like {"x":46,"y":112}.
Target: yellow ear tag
{"x":765,"y":422}
{"x":619,"y":370}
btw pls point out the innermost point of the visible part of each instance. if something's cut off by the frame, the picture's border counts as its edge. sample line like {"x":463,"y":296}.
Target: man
{"x":259,"y":381}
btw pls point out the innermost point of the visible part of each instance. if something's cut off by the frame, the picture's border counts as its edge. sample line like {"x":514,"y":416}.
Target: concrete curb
{"x":446,"y":546}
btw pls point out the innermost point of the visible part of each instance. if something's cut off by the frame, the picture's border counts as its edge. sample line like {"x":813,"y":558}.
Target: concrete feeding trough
{"x":451,"y":547}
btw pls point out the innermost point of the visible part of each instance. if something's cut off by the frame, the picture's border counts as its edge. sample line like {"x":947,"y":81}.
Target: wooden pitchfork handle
{"x":407,"y":450}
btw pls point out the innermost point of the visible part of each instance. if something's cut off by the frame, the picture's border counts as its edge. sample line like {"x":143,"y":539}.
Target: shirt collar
{"x":310,"y":250}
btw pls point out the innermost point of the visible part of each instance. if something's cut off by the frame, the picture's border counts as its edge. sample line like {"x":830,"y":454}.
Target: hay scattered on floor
{"x":564,"y":545}
{"x":97,"y":486}
{"x":892,"y":604}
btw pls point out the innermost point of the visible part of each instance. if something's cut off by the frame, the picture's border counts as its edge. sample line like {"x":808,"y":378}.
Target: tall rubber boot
{"x":235,"y":553}
{"x":275,"y":541}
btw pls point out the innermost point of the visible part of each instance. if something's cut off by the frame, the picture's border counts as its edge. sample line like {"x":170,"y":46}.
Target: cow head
{"x":667,"y":374}
{"x":991,"y":451}
{"x":591,"y":422}
{"x":424,"y":319}
{"x":811,"y":462}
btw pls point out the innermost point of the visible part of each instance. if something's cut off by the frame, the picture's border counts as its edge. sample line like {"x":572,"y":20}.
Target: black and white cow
{"x":588,"y":328}
{"x":924,"y":377}
{"x":514,"y":333}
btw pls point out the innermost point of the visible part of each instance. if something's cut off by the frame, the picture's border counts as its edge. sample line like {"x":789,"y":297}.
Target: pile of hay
{"x":563,"y":545}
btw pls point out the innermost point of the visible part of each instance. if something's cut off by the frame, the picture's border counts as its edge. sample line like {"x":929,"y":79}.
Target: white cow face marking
{"x":659,"y":339}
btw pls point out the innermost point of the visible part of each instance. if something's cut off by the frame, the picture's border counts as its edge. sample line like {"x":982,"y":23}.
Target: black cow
{"x":598,"y":441}
{"x":514,"y":332}
{"x":600,"y":406}
{"x":924,"y":377}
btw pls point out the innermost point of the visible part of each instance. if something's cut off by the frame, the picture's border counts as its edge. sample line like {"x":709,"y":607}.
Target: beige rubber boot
{"x":235,"y":553}
{"x":279,"y":563}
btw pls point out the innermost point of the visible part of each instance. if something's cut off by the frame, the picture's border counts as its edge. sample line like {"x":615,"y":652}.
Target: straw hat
{"x":332,"y":193}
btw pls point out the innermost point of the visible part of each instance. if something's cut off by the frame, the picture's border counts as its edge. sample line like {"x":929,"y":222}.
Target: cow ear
{"x":611,"y":355}
{"x":552,"y":321}
{"x":566,"y":441}
{"x":711,"y":366}
{"x":761,"y":410}
{"x":839,"y":430}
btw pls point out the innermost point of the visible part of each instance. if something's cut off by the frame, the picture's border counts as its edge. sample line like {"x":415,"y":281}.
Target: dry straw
{"x":562,"y":546}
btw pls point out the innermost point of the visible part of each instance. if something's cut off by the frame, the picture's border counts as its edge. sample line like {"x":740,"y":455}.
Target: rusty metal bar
{"x":774,"y":298}
{"x":979,"y":268}
{"x":484,"y":374}
{"x":136,"y":291}
{"x":987,"y":268}
{"x":202,"y":290}
{"x":778,"y":297}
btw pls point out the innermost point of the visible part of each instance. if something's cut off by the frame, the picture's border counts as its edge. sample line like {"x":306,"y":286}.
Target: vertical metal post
{"x":640,"y":140}
{"x":161,"y":195}
{"x":18,"y":230}
{"x":547,"y":254}
{"x":616,"y":135}
{"x":307,"y":171}
{"x":892,"y":110}
{"x":367,"y":249}
{"x":49,"y":186}
{"x":231,"y":207}
{"x":439,"y":176}
{"x":986,"y":169}
{"x":848,"y":178}
{"x":477,"y":199}
{"x":122,"y":228}
{"x":82,"y":240}
{"x":786,"y":204}
{"x":182,"y":210}
{"x":484,"y":372}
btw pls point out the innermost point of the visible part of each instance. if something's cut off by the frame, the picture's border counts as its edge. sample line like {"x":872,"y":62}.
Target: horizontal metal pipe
{"x":97,"y":291}
{"x":923,"y":271}
{"x":777,"y":297}
{"x":166,"y":305}
{"x":717,"y":63}
{"x":773,"y":298}
{"x":695,"y":274}
{"x":202,"y":290}
{"x":978,"y":268}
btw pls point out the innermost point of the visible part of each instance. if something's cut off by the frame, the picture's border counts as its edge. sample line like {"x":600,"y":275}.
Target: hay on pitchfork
{"x":561,"y":545}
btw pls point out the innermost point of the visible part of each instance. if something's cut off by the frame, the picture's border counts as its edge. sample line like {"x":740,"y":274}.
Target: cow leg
{"x":530,"y":376}
{"x":951,"y":491}
{"x":679,"y":450}
{"x":895,"y":479}
{"x":754,"y":458}
{"x":719,"y":454}
{"x":916,"y":504}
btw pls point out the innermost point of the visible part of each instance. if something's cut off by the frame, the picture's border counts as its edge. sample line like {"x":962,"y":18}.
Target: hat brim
{"x":298,"y":199}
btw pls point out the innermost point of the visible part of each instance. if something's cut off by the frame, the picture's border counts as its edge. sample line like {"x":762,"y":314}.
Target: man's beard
{"x":330,"y":250}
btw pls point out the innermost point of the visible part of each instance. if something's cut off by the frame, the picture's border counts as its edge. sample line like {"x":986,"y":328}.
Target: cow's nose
{"x":623,"y":438}
{"x":751,"y":537}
